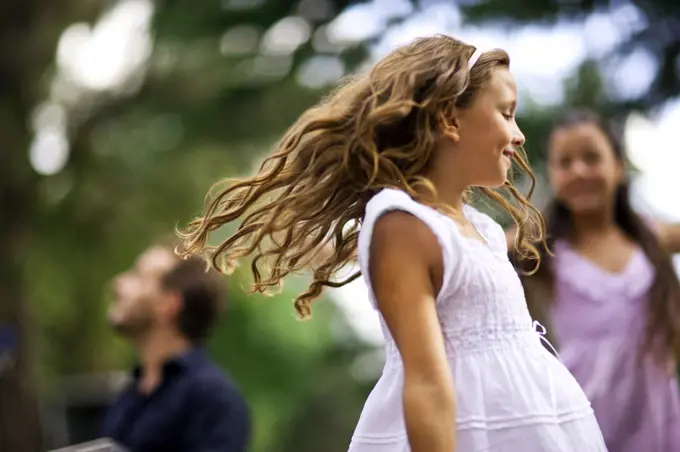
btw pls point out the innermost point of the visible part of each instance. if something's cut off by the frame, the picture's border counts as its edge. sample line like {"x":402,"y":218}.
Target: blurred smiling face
{"x":583,"y":168}
{"x":138,"y":295}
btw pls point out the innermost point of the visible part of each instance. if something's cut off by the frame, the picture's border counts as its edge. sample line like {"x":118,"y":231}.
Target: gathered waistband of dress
{"x":473,"y":341}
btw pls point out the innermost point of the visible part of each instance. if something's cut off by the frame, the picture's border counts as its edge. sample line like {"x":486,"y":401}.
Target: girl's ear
{"x":447,"y":126}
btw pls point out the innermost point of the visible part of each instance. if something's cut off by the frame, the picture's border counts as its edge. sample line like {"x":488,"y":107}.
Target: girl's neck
{"x":588,"y":226}
{"x":452,"y":200}
{"x":449,"y":193}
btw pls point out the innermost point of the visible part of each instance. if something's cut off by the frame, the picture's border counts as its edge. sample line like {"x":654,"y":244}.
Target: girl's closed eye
{"x":508,"y":111}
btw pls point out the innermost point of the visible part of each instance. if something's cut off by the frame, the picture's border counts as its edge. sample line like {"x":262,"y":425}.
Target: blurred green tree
{"x":28,"y":31}
{"x":649,"y":25}
{"x":213,"y":93}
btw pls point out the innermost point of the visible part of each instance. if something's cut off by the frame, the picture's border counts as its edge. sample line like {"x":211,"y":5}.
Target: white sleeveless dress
{"x":511,"y":394}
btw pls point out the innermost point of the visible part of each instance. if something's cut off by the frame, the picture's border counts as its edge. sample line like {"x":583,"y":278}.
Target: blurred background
{"x":116,"y":116}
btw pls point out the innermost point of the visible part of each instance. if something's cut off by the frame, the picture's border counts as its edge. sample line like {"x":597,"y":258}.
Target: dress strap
{"x":541,"y":331}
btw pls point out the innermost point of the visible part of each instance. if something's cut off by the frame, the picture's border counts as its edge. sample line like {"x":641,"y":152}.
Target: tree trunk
{"x":22,"y":66}
{"x":20,"y":428}
{"x":29,"y":32}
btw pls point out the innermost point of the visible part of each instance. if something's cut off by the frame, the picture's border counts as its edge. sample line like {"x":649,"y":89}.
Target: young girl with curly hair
{"x":384,"y":167}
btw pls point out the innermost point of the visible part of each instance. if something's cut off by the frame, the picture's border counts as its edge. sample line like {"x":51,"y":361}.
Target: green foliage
{"x":647,"y":24}
{"x":143,"y":156}
{"x":271,"y":354}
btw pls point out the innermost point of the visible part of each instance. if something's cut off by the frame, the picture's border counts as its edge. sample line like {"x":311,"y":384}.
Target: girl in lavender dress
{"x":397,"y":149}
{"x":610,"y":292}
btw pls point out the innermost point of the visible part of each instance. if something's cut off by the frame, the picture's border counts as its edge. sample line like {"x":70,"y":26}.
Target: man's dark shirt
{"x":194,"y":409}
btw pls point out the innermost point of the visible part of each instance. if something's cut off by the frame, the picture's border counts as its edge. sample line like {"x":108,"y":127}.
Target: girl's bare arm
{"x":406,"y":271}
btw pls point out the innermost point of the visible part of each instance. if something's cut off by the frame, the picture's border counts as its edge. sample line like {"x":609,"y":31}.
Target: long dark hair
{"x":663,"y":309}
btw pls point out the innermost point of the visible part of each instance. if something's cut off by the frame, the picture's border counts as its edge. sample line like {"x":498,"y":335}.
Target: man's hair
{"x":203,"y":294}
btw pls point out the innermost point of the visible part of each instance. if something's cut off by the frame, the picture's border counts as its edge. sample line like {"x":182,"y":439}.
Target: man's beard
{"x":133,"y":327}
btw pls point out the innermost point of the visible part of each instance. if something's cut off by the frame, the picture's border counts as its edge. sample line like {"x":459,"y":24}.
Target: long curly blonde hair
{"x":376,"y":130}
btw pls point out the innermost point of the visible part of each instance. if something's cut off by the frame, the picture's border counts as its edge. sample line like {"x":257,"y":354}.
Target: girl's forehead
{"x":502,"y":77}
{"x":579,"y":136}
{"x":501,"y":85}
